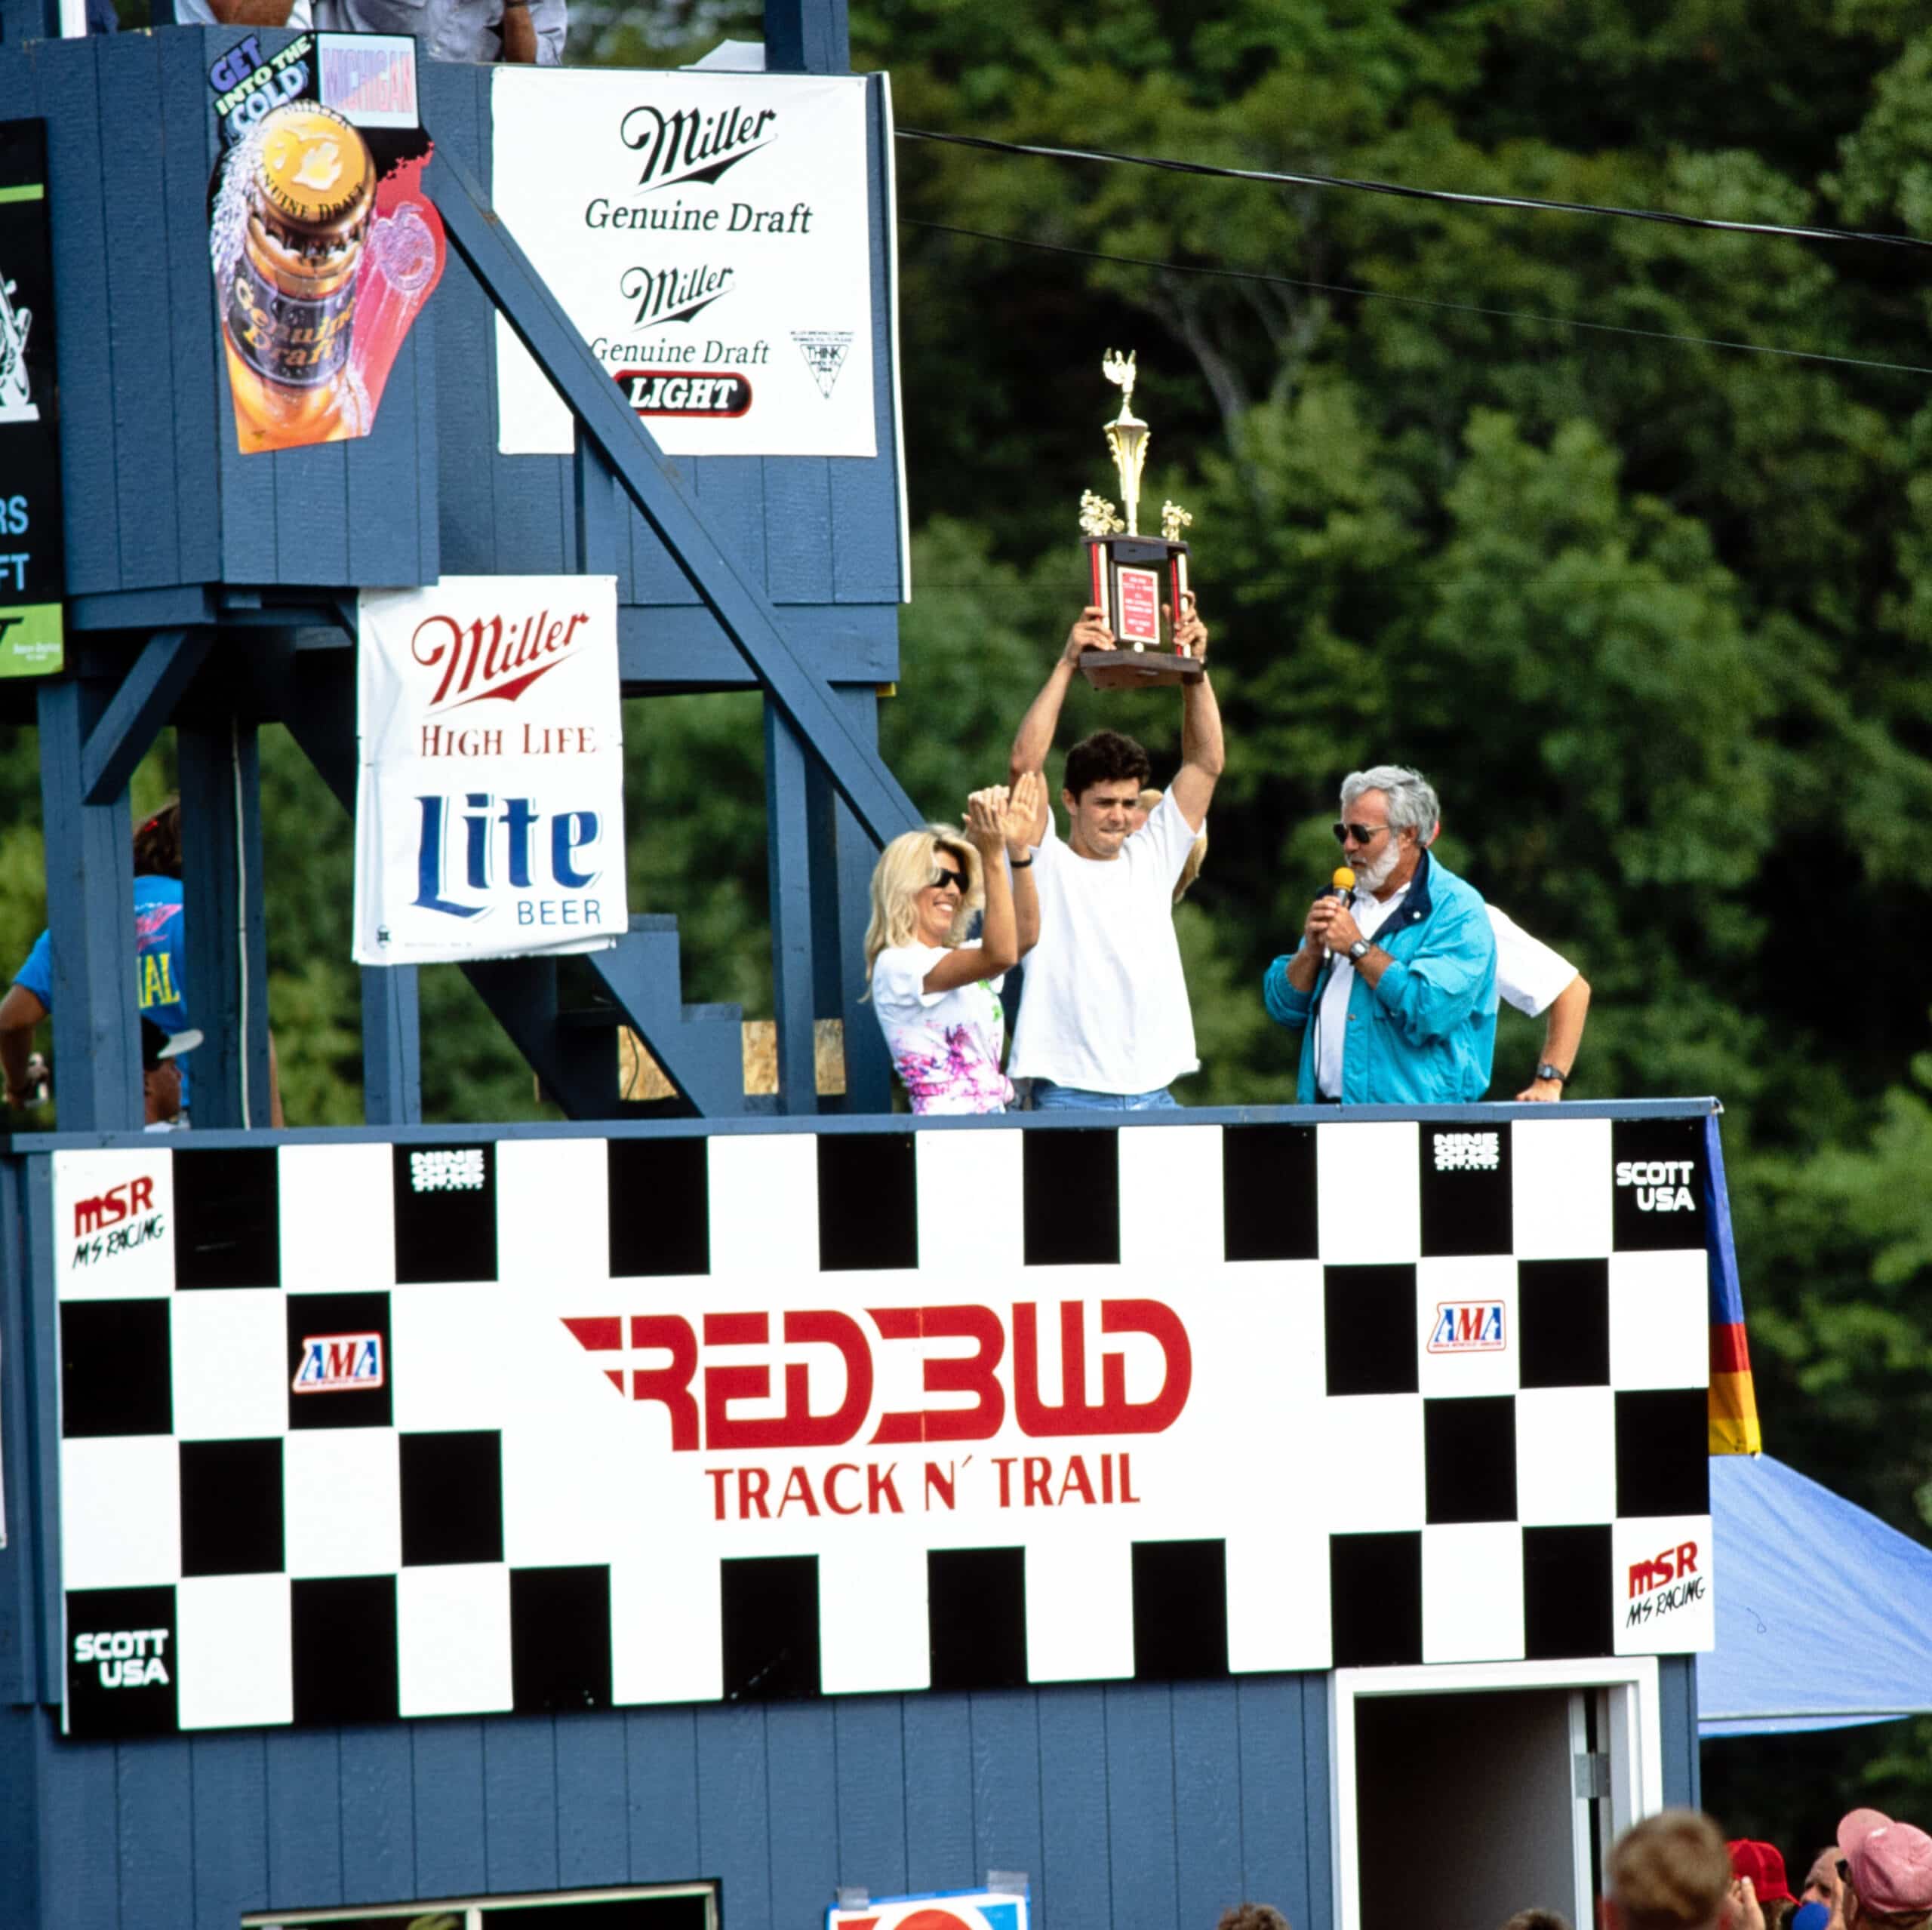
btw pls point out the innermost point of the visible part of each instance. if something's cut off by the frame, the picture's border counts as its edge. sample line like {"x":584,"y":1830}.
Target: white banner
{"x":710,"y":234}
{"x":489,"y":792}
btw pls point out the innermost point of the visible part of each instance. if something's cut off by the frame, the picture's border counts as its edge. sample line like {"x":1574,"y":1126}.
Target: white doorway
{"x":1466,"y":1792}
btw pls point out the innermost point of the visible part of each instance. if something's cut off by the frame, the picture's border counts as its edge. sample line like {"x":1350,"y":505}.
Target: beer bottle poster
{"x":324,"y":245}
{"x":32,"y":559}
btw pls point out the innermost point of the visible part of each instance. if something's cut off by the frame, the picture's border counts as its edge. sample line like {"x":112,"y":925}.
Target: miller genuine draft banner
{"x":32,"y":555}
{"x":710,"y":234}
{"x":324,"y":245}
{"x":490,"y":791}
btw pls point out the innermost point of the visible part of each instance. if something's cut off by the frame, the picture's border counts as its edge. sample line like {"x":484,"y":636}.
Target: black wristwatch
{"x":1548,"y":1071}
{"x":1359,"y":950}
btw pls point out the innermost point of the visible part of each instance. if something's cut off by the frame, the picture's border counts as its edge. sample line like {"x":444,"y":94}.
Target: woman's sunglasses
{"x":944,"y":875}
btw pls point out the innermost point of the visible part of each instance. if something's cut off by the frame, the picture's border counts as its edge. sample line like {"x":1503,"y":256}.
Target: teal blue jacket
{"x":1424,"y":1034}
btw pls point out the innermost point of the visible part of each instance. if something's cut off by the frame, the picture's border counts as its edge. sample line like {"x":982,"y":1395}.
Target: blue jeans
{"x":1049,"y":1098}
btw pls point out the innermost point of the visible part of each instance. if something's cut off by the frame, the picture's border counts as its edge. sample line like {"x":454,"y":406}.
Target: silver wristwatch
{"x":1359,"y":950}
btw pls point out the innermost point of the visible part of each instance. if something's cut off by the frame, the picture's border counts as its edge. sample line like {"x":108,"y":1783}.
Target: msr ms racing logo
{"x":116,"y":1221}
{"x":1667,"y":1581}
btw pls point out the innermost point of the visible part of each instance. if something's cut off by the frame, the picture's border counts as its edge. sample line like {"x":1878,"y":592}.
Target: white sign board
{"x":490,"y":791}
{"x":678,"y":1418}
{"x":940,"y":1910}
{"x":710,"y":234}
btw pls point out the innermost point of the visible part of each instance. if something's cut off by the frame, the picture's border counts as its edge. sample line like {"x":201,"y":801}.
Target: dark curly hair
{"x":157,"y":843}
{"x":1252,"y":1916}
{"x":1103,"y":758}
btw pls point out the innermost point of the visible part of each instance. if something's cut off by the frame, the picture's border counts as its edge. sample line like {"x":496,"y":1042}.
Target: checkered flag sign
{"x":362,"y":1433}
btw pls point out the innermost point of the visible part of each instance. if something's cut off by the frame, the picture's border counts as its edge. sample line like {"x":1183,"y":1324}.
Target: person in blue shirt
{"x":1393,"y":986}
{"x":160,"y":954}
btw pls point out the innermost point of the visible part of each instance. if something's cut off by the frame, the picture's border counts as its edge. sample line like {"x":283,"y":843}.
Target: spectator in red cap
{"x":1761,"y":1865}
{"x":1887,"y":1867}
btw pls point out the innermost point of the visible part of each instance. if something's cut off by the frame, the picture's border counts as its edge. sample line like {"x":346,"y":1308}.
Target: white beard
{"x":1372,"y":877}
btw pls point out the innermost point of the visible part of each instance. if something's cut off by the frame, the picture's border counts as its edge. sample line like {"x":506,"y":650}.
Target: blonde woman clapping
{"x":936,"y":995}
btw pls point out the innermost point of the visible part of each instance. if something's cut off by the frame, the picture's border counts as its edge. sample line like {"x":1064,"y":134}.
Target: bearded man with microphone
{"x":1393,"y":986}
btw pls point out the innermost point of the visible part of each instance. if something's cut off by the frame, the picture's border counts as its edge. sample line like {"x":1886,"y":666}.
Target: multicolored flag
{"x":1734,"y":1409}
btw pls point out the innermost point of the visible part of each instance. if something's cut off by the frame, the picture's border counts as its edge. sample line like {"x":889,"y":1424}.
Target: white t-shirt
{"x":945,"y":1045}
{"x":1529,"y":975}
{"x":1331,"y":1036}
{"x":1105,"y":1006}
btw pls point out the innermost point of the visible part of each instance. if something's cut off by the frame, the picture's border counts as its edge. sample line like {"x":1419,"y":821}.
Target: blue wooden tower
{"x":545,"y":1620}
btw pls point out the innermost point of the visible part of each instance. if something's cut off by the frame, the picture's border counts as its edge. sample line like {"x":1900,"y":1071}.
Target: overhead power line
{"x":1419,"y":301}
{"x":1283,"y":179}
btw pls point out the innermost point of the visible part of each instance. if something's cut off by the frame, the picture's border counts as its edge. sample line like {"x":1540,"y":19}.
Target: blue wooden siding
{"x":158,"y":495}
{"x":1134,"y":1807}
{"x":1677,"y":1716}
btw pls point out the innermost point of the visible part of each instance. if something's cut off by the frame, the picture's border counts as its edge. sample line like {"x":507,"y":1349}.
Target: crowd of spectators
{"x":1674,"y":1871}
{"x":1392,"y":988}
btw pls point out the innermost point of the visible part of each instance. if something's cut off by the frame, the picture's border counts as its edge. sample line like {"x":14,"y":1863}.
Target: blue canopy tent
{"x":1824,"y":1614}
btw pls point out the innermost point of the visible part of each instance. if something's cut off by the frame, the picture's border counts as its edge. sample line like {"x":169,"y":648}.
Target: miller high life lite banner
{"x":710,"y":234}
{"x":489,"y":818}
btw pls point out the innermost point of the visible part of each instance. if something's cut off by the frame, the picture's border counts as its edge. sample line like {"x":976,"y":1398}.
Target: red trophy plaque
{"x":1132,"y":575}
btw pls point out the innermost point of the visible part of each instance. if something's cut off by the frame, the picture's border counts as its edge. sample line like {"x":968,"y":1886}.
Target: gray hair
{"x":1412,"y":800}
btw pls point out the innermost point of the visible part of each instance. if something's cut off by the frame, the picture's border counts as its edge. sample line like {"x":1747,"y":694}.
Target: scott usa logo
{"x":1468,"y":1327}
{"x":1662,"y":1186}
{"x":339,"y":1363}
{"x":127,"y":1657}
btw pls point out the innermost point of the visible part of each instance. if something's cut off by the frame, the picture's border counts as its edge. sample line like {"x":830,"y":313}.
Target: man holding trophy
{"x":1104,"y":1022}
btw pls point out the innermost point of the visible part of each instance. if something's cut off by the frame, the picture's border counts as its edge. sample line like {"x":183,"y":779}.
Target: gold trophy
{"x":1126,"y":568}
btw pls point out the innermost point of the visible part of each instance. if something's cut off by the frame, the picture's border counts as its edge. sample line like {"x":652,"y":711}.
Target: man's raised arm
{"x":1035,"y":737}
{"x":1202,"y":753}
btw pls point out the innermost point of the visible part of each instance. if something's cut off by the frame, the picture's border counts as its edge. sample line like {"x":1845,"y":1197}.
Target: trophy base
{"x":1133,"y":670}
{"x":1139,"y":583}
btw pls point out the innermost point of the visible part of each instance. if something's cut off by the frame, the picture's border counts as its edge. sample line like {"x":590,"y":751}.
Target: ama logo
{"x":339,"y":1363}
{"x":1468,"y":1327}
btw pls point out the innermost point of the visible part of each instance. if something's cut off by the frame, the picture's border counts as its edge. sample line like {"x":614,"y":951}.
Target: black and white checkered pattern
{"x":496,"y":1524}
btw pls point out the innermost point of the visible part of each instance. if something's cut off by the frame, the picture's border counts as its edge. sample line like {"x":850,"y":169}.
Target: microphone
{"x":1339,"y":886}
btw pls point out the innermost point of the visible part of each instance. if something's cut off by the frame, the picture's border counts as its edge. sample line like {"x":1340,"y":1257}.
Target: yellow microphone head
{"x":1344,"y":879}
